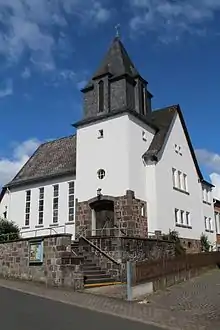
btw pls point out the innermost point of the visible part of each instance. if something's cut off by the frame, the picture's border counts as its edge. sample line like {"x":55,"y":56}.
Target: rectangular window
{"x":206,"y":223}
{"x":71,"y":201}
{"x":55,"y":203}
{"x":206,"y":193}
{"x":210,"y":224}
{"x":176,"y":216}
{"x":187,"y":218}
{"x":27,"y":208}
{"x":179,"y":180}
{"x":174,"y":173}
{"x":182,"y":217}
{"x":41,"y":206}
{"x":217,"y":221}
{"x":185,"y":186}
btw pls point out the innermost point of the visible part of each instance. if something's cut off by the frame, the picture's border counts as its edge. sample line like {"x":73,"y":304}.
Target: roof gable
{"x":163,"y":119}
{"x":51,"y":159}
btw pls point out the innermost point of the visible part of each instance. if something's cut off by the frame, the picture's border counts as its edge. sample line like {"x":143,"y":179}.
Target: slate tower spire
{"x":116,"y":85}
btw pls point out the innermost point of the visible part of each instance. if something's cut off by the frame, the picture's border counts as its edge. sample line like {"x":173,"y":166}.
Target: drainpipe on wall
{"x":9,"y":202}
{"x":216,"y":225}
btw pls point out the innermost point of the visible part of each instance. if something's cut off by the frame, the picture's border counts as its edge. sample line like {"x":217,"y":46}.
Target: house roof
{"x":51,"y":159}
{"x":163,"y":119}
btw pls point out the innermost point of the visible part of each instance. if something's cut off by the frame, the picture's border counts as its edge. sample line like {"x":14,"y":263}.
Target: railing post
{"x":129,"y":280}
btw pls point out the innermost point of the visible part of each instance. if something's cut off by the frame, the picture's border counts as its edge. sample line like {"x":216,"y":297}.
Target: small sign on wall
{"x":36,"y":252}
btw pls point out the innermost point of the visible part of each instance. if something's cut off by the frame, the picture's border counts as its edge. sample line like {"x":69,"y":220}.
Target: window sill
{"x":26,"y":227}
{"x":183,"y":226}
{"x":39,"y":226}
{"x":70,"y":223}
{"x":180,"y":190}
{"x":209,"y":231}
{"x":54,"y":225}
{"x":208,"y":203}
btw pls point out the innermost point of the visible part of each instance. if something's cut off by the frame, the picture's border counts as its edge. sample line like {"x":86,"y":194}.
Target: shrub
{"x":173,"y":236}
{"x":8,"y":230}
{"x":205,"y":244}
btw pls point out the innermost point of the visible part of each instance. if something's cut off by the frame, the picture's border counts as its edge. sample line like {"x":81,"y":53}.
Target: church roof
{"x":52,"y":159}
{"x":117,"y":61}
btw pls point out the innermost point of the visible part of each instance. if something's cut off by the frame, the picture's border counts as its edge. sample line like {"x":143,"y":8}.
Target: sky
{"x":50,"y":48}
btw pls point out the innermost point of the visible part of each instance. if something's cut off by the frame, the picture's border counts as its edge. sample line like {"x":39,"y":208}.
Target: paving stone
{"x":193,"y":305}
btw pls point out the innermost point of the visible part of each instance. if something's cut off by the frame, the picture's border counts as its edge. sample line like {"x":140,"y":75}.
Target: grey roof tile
{"x":117,"y":61}
{"x":51,"y":159}
{"x":162,"y":119}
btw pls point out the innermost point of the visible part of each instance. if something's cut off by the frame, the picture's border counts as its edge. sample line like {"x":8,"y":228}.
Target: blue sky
{"x":49,"y":49}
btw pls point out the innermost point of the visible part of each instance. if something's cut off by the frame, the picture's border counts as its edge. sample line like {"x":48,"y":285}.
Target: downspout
{"x":9,"y":202}
{"x":216,"y":225}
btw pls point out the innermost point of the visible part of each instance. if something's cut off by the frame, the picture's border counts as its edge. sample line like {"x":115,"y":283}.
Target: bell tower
{"x":116,"y":86}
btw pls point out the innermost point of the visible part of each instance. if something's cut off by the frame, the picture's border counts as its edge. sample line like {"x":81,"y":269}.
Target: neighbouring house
{"x":217,"y":222}
{"x":127,"y":168}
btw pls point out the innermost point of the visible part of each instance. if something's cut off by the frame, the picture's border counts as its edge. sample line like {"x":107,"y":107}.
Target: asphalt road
{"x":21,"y":311}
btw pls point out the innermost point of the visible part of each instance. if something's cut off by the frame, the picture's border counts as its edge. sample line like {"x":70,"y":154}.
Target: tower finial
{"x":117,"y":28}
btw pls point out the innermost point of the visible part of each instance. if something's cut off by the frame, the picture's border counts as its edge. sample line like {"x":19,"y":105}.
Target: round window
{"x":101,"y":174}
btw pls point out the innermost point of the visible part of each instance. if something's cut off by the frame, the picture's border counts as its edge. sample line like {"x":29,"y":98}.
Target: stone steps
{"x":93,"y":274}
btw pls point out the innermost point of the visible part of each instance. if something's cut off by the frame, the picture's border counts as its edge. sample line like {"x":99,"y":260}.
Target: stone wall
{"x":122,"y":249}
{"x":15,"y":262}
{"x":218,"y":239}
{"x":191,"y":245}
{"x":129,"y":214}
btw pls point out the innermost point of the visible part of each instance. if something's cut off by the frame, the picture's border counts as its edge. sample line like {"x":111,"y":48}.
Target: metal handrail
{"x":100,"y":250}
{"x":51,"y":229}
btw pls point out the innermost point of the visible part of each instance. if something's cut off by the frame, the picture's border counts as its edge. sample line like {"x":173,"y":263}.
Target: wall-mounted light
{"x":99,"y":192}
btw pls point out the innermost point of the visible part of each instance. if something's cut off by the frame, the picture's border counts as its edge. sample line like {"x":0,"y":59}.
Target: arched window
{"x":101,"y":96}
{"x":142,"y":99}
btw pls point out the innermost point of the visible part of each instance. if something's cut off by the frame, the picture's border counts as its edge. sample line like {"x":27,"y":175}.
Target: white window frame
{"x":185,"y":183}
{"x":174,"y":177}
{"x":41,"y":206}
{"x":179,"y":174}
{"x":182,"y":218}
{"x":177,"y":216}
{"x":188,"y":222}
{"x":27,"y":207}
{"x":71,"y":201}
{"x":56,"y":189}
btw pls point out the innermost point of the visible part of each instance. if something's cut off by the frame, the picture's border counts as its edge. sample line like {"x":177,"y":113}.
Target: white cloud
{"x":26,"y":73}
{"x":170,"y":19}
{"x":81,"y":84}
{"x":7,"y":89}
{"x":20,"y":154}
{"x":215,"y":179}
{"x":28,"y":25}
{"x":211,"y":161}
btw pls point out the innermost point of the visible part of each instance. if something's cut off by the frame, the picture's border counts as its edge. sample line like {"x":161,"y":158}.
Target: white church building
{"x":128,"y":167}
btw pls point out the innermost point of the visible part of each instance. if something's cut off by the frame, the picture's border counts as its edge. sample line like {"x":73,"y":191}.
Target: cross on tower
{"x":117,"y":28}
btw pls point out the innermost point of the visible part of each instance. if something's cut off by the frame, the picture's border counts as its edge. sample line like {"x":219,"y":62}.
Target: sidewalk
{"x":193,"y":305}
